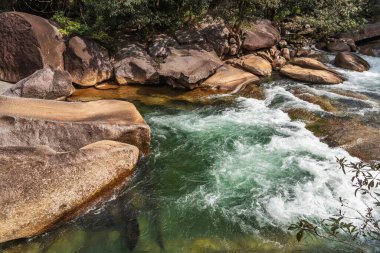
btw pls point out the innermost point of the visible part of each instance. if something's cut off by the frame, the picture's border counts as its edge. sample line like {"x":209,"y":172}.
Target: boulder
{"x":189,"y":36}
{"x":338,"y":46}
{"x":371,"y":49}
{"x":230,"y":79}
{"x":310,"y":63}
{"x":262,"y":35}
{"x":310,"y":75}
{"x":87,"y":62}
{"x":278,"y":63}
{"x":28,"y":43}
{"x":43,"y":84}
{"x":69,"y":126}
{"x":4,"y":86}
{"x":40,"y":187}
{"x":366,"y":32}
{"x":187,"y":68}
{"x":351,"y":61}
{"x":133,"y":65}
{"x":255,"y":65}
{"x":216,"y":34}
{"x":160,"y":46}
{"x":285,"y":52}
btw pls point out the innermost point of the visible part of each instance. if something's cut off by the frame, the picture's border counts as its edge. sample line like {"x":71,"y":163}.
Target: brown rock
{"x":186,"y":68}
{"x":230,"y":79}
{"x":285,"y":52}
{"x":40,"y":187}
{"x":189,"y":36}
{"x":133,"y":65}
{"x":43,"y":84}
{"x":262,"y":35}
{"x":87,"y":62}
{"x":351,"y":61}
{"x":302,"y":52}
{"x":256,"y":65}
{"x":367,"y":32}
{"x":69,"y":126}
{"x":278,"y":63}
{"x":310,"y":63}
{"x":371,"y":49}
{"x":28,"y":43}
{"x":338,"y":46}
{"x":310,"y":75}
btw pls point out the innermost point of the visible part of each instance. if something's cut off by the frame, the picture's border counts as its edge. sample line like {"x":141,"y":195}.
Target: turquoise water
{"x":226,"y":177}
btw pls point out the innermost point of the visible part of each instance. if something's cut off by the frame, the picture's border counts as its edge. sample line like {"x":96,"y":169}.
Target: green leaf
{"x":300,"y":235}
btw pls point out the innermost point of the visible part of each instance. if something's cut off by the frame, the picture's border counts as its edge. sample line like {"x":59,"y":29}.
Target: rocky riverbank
{"x":39,"y":134}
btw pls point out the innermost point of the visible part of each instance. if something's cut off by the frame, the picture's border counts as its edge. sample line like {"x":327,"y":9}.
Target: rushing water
{"x":226,"y":177}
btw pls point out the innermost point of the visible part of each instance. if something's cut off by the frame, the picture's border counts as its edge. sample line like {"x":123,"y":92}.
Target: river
{"x":226,"y":177}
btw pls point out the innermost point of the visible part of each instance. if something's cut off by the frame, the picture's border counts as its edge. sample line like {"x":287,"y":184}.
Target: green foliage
{"x":103,"y":19}
{"x":340,"y":227}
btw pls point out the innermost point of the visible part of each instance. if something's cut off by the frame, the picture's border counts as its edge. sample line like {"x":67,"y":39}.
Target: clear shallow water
{"x":221,"y":178}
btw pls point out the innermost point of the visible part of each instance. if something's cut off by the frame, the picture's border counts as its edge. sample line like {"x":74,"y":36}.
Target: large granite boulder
{"x":216,"y":34}
{"x":40,"y":187}
{"x":338,"y":46}
{"x":87,"y":62}
{"x":262,"y":35}
{"x":230,"y":79}
{"x":313,"y":76}
{"x":366,"y":32}
{"x":371,"y":49}
{"x":28,"y":43}
{"x":67,"y":126}
{"x":351,"y":61}
{"x":133,"y":65}
{"x":187,"y":68}
{"x":43,"y":84}
{"x":255,"y":64}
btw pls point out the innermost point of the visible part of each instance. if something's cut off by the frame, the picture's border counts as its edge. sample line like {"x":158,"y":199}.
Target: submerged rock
{"x":87,"y":62}
{"x":43,"y":84}
{"x":310,"y":75}
{"x":69,"y":126}
{"x":230,"y":79}
{"x":40,"y":187}
{"x":262,"y":35}
{"x":28,"y":43}
{"x":351,"y":61}
{"x":186,"y":68}
{"x":133,"y":65}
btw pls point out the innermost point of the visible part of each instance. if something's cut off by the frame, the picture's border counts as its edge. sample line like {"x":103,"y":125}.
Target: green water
{"x":229,"y":176}
{"x":221,"y":178}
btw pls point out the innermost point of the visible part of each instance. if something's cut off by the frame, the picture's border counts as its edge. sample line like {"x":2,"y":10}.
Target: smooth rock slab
{"x":40,"y":187}
{"x":66,"y":126}
{"x":255,"y":64}
{"x":310,"y":75}
{"x":230,"y":79}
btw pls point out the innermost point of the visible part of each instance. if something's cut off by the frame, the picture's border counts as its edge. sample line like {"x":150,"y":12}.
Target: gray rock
{"x":134,"y":65}
{"x":43,"y":84}
{"x":160,"y":46}
{"x":216,"y":33}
